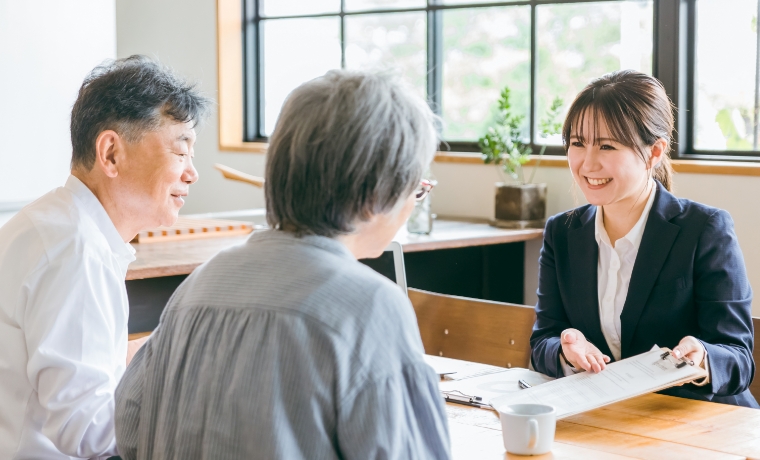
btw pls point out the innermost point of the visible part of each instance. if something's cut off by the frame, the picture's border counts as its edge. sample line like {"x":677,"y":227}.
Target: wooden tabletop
{"x":648,"y":427}
{"x":182,"y":257}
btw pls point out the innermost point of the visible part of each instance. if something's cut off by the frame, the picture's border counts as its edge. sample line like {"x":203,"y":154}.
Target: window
{"x":726,"y":83}
{"x":459,"y":54}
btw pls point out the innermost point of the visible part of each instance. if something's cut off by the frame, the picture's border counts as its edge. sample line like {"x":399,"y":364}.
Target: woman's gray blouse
{"x":286,"y":348}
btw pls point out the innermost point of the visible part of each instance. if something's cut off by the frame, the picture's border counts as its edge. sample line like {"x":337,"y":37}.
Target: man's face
{"x":158,"y":173}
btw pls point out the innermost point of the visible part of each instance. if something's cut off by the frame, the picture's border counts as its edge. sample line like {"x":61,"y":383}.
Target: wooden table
{"x":648,"y":427}
{"x":181,"y":258}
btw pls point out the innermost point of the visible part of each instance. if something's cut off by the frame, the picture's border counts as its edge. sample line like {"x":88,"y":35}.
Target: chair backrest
{"x":755,"y":387}
{"x":481,"y":331}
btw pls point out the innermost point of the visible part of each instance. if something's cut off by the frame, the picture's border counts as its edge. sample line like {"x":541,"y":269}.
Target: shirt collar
{"x":97,"y":212}
{"x":328,"y":244}
{"x":636,"y":233}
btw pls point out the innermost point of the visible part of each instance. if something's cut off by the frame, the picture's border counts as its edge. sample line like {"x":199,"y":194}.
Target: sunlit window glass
{"x":580,"y":42}
{"x":298,"y":7}
{"x":289,"y":60}
{"x":392,"y":42}
{"x":364,"y":5}
{"x":467,"y":2}
{"x":726,"y":75}
{"x":484,"y":49}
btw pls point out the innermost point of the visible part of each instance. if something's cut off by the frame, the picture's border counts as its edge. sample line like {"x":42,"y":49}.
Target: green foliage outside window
{"x":503,"y":144}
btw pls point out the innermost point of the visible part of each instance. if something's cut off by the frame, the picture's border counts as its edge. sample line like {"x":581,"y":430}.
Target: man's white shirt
{"x":63,"y":326}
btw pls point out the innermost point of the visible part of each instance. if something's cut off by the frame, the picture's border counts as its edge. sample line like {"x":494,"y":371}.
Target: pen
{"x":523,"y":384}
{"x":683,"y":361}
{"x":475,"y":401}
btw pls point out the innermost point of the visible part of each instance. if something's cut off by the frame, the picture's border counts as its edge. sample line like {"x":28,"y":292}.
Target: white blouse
{"x":63,"y":326}
{"x":614,"y":271}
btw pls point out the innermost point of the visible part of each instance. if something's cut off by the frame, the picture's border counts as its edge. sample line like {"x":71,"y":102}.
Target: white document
{"x":456,"y":369}
{"x":491,"y":386}
{"x":637,"y":375}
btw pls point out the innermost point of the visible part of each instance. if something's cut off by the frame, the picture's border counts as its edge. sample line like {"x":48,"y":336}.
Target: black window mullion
{"x":260,"y":76}
{"x":667,"y":57}
{"x":252,"y":93}
{"x":342,"y":34}
{"x":435,"y":57}
{"x":533,"y":73}
{"x":756,"y":108}
{"x":687,"y":68}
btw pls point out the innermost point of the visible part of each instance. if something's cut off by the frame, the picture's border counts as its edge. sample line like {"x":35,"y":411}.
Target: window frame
{"x":673,"y":63}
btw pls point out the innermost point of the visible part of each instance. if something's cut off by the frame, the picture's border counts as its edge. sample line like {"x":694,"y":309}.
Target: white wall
{"x":47,"y":47}
{"x":467,"y":190}
{"x":182,"y":34}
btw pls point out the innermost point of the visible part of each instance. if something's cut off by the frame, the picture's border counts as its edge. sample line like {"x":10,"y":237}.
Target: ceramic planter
{"x":520,"y":206}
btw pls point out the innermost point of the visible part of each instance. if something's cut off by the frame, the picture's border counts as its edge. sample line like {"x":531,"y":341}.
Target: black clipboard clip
{"x":456,"y":396}
{"x":682,"y":362}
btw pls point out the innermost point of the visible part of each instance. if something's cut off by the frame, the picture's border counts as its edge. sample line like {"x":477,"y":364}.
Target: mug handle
{"x":532,"y":433}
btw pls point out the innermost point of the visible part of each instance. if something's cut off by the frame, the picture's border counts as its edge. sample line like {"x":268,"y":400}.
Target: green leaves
{"x":503,"y":144}
{"x":548,"y":125}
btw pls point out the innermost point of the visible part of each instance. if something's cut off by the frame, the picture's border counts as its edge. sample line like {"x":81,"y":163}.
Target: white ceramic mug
{"x":528,"y":429}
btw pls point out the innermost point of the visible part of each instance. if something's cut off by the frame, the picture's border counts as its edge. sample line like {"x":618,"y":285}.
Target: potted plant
{"x":520,"y":204}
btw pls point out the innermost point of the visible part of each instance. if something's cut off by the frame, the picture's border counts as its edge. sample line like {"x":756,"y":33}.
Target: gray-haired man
{"x":63,"y":260}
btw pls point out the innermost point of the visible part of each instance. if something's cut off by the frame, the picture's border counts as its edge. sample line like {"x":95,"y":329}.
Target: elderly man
{"x":287,"y":347}
{"x":63,"y":260}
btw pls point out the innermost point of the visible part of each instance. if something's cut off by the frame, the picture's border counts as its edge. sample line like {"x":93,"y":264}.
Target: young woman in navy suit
{"x":638,"y":267}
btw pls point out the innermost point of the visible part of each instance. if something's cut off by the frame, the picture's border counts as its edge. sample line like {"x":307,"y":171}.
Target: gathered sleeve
{"x":75,"y":355}
{"x":399,"y":416}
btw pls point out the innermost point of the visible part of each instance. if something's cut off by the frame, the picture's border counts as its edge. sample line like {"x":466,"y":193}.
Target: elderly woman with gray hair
{"x":286,"y":346}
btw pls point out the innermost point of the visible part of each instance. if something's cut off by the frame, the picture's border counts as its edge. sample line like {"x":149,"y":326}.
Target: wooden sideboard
{"x":460,"y":257}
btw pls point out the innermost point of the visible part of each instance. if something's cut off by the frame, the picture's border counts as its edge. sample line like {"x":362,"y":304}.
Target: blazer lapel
{"x":584,"y":254}
{"x":659,"y":236}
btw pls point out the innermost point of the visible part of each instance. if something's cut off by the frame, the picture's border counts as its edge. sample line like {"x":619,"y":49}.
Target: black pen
{"x":683,"y":361}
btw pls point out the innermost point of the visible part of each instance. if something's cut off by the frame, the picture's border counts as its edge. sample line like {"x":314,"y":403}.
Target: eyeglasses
{"x":424,"y":189}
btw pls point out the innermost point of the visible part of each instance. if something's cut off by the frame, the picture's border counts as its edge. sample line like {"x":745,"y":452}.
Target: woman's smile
{"x":595,"y":184}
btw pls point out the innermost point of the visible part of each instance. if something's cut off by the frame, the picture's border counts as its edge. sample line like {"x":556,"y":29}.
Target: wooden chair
{"x":482,"y":331}
{"x":754,"y":388}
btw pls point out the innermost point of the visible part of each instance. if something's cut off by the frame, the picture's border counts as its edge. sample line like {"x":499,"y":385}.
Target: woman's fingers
{"x":595,"y":367}
{"x":597,"y":362}
{"x":583,"y":362}
{"x":689,"y":348}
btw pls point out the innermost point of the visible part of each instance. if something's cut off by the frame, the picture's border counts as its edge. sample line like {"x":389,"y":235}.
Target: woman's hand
{"x":581,"y":353}
{"x":691,"y":349}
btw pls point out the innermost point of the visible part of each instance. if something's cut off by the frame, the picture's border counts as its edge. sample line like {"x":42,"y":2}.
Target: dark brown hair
{"x":637,"y":112}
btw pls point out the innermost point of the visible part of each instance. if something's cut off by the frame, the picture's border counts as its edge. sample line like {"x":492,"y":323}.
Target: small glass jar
{"x":421,"y":220}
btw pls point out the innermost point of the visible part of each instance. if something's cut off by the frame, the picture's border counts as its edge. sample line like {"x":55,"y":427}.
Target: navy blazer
{"x":688,"y":279}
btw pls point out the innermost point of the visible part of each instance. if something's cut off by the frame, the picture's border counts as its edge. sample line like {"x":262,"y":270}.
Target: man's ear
{"x":109,"y":152}
{"x":657,"y":152}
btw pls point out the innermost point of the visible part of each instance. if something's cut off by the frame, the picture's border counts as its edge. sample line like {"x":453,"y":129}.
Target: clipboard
{"x":648,"y":372}
{"x":481,"y":390}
